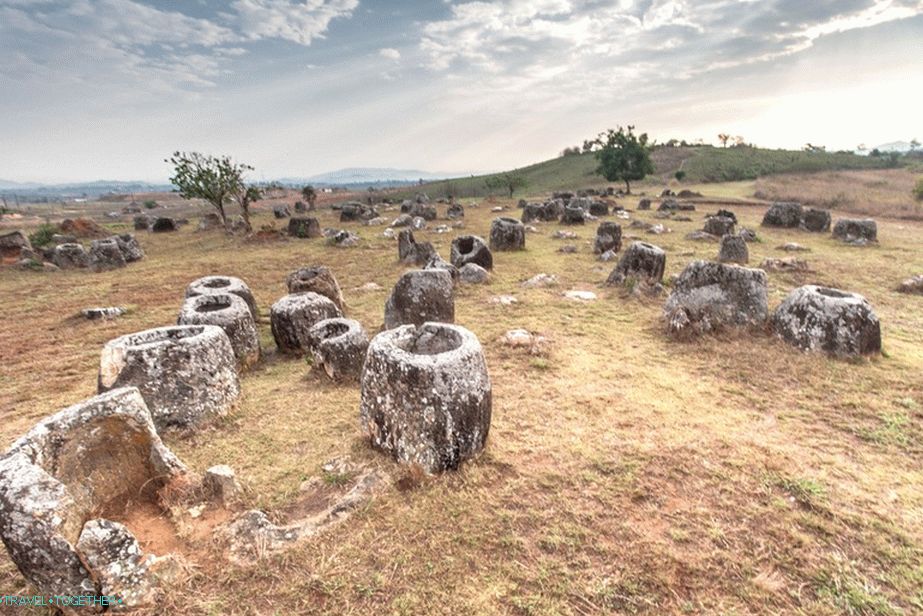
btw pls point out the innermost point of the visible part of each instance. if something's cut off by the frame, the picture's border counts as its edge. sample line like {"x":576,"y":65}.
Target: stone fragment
{"x":293,"y":316}
{"x":420,"y":296}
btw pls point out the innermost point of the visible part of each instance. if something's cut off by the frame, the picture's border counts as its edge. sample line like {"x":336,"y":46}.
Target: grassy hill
{"x":703,"y":164}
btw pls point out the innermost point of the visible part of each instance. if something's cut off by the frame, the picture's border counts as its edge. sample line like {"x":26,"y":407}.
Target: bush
{"x":680,"y":175}
{"x":918,"y":190}
{"x":42,"y":235}
{"x":150,"y":204}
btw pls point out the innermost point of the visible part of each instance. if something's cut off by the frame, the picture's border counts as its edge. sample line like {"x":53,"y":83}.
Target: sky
{"x":106,"y":89}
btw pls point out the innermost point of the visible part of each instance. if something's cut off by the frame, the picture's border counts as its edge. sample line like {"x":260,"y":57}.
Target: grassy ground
{"x":624,"y":473}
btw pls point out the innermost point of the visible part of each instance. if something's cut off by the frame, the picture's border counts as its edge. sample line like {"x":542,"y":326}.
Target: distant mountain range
{"x":355,"y":176}
{"x":78,"y":189}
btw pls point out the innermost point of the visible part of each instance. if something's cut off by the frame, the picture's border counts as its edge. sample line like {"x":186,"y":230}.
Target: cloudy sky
{"x":94,"y":89}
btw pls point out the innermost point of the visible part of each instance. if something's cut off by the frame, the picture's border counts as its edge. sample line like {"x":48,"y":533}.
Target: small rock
{"x":564,"y":235}
{"x":110,"y":312}
{"x":913,"y":285}
{"x":583,"y":296}
{"x":793,"y":247}
{"x":568,"y":249}
{"x":472,"y":273}
{"x":221,"y":485}
{"x":504,"y":300}
{"x":540,"y":280}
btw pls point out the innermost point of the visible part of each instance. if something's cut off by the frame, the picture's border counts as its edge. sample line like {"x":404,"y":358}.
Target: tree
{"x":309,"y":194}
{"x":724,"y":138}
{"x":914,"y":144}
{"x":244,"y":196}
{"x":507,"y":181}
{"x":680,"y":175}
{"x":216,"y":179}
{"x":623,"y":156}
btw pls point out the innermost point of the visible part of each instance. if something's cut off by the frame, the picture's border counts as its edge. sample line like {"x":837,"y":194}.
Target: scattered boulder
{"x":608,"y":237}
{"x":507,"y":234}
{"x":354,"y":211}
{"x":658,"y":229}
{"x":599,"y":208}
{"x":100,"y":453}
{"x":642,"y":261}
{"x":164,"y":224}
{"x":783,"y":214}
{"x":70,"y":256}
{"x":426,"y":395}
{"x":423,"y":210}
{"x":293,"y":316}
{"x":106,"y":255}
{"x":437,"y":262}
{"x":815,"y":318}
{"x":532,"y":212}
{"x":344,"y":239}
{"x":221,"y":485}
{"x":851,"y":230}
{"x":719,"y":225}
{"x":540,"y":281}
{"x":231,"y":314}
{"x":733,"y":249}
{"x":749,"y":235}
{"x":702,"y":236}
{"x":304,"y":227}
{"x":568,"y":249}
{"x":573,"y":215}
{"x":913,"y":285}
{"x":708,"y":296}
{"x":793,"y":247}
{"x":815,"y":220}
{"x":668,"y":205}
{"x":455,"y":211}
{"x":280,"y":211}
{"x":185,"y":373}
{"x":418,"y":222}
{"x":338,"y":346}
{"x":12,"y":245}
{"x":581,"y":296}
{"x":472,"y":273}
{"x":420,"y":296}
{"x":316,"y":279}
{"x":788,"y":264}
{"x":129,"y":246}
{"x":561,"y":234}
{"x":404,"y":220}
{"x":644,"y":204}
{"x":301,"y":207}
{"x":82,"y":227}
{"x":411,"y":252}
{"x":471,"y":249}
{"x":208,"y":222}
{"x":726,"y":214}
{"x":97,"y":314}
{"x":209,"y":285}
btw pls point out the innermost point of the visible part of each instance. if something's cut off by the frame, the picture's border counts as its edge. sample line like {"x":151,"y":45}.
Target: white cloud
{"x":389,"y":53}
{"x":299,"y":21}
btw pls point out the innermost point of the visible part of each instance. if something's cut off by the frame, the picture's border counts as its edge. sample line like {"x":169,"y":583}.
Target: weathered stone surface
{"x":573,"y":215}
{"x":568,"y":249}
{"x":221,"y":485}
{"x":719,"y":225}
{"x":230,"y":313}
{"x":304,"y":227}
{"x":540,"y":281}
{"x":164,"y":224}
{"x":280,"y":211}
{"x":749,"y":235}
{"x":410,"y":251}
{"x":131,"y":249}
{"x":702,"y":236}
{"x":293,"y":316}
{"x":143,"y":222}
{"x":580,"y":296}
{"x":726,"y":214}
{"x":317,"y":279}
{"x":913,"y":285}
{"x":420,"y":296}
{"x":608,"y":237}
{"x":426,"y":395}
{"x":404,"y":220}
{"x":96,"y":454}
{"x":122,"y":570}
{"x":815,"y":220}
{"x":208,"y":222}
{"x":344,"y":239}
{"x":12,"y":244}
{"x":110,"y":312}
{"x":668,"y":205}
{"x":185,"y":373}
{"x":437,"y":262}
{"x":209,"y":285}
{"x":472,"y":273}
{"x":793,"y":247}
{"x":850,"y":230}
{"x":708,"y":296}
{"x":783,"y":215}
{"x":70,"y":256}
{"x":507,"y":234}
{"x":357,"y":211}
{"x":455,"y":211}
{"x":471,"y":249}
{"x":787,"y":264}
{"x":816,"y":318}
{"x":599,"y":208}
{"x":733,"y":249}
{"x":642,"y":261}
{"x":644,"y":204}
{"x":338,"y":346}
{"x":105,"y":255}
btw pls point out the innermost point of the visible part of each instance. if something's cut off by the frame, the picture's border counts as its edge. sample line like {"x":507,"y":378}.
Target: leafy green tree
{"x":623,"y":156}
{"x":215,"y":179}
{"x":918,"y":190}
{"x":680,"y":175}
{"x":309,"y":194}
{"x":506,"y":181}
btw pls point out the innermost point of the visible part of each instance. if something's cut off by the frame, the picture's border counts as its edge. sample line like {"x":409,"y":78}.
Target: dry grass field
{"x":624,"y":473}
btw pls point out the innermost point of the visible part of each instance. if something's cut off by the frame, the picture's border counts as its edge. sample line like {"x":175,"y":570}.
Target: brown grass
{"x":624,"y":473}
{"x":871,"y":193}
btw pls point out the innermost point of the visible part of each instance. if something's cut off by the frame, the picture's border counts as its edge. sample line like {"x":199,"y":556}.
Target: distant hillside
{"x":702,"y":164}
{"x":368,"y":176}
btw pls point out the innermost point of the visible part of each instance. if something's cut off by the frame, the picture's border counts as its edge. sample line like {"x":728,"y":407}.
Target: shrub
{"x":42,"y":235}
{"x":680,"y":175}
{"x":918,"y":190}
{"x":150,"y":204}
